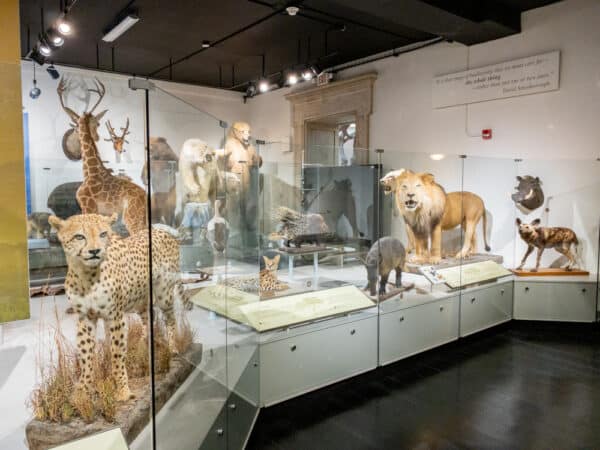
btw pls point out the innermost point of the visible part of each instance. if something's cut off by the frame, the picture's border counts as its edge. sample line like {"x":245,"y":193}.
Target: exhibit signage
{"x":524,"y":76}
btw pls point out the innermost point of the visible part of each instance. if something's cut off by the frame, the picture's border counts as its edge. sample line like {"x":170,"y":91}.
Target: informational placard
{"x":531,"y":75}
{"x":107,"y":440}
{"x":432,"y":275}
{"x":467,"y":274}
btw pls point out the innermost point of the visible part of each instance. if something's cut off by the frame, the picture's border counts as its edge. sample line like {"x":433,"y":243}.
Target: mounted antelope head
{"x":70,"y":140}
{"x":118,"y":141}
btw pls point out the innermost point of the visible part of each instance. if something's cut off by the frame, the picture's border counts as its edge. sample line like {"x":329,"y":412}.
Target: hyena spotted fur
{"x":560,"y":239}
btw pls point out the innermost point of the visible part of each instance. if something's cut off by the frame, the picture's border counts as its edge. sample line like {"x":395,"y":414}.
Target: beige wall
{"x":14,"y":292}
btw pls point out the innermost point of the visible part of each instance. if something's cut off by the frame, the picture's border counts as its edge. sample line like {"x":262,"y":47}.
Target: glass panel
{"x":60,"y":368}
{"x":562,"y":193}
{"x":489,"y":216}
{"x":190,"y":393}
{"x":408,"y":186}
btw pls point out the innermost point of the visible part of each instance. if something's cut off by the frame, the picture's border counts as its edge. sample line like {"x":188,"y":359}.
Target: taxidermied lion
{"x":422,"y":203}
{"x":428,"y":210}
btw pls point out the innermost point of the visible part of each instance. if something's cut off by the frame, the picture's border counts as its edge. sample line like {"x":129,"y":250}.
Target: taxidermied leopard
{"x":108,"y":277}
{"x":266,"y":281}
{"x":297,"y":228}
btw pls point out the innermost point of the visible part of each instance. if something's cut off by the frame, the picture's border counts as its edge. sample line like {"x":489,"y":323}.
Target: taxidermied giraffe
{"x":102,"y":192}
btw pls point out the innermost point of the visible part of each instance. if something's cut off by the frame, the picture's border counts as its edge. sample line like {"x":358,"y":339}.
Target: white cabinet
{"x":486,"y":307}
{"x":412,"y":330}
{"x":555,"y":301}
{"x":295,"y":365}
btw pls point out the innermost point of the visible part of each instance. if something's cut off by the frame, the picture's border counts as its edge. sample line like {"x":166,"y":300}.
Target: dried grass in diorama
{"x":56,"y":399}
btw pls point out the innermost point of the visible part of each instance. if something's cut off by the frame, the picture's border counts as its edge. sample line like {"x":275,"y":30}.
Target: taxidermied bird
{"x":217,"y":230}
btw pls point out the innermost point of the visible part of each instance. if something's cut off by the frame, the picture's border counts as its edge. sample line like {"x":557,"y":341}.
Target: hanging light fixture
{"x":45,"y":49}
{"x":35,"y":91}
{"x":64,"y":27}
{"x":292,"y":78}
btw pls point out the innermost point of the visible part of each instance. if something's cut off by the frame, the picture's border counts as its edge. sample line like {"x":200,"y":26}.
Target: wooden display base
{"x":549,"y":272}
{"x":393,"y":292}
{"x":455,"y":262}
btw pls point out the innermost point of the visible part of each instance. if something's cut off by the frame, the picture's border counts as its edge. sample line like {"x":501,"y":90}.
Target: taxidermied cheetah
{"x":108,"y":277}
{"x":266,"y":281}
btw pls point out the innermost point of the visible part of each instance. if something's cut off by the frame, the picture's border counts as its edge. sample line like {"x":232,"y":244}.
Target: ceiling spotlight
{"x":53,"y":72}
{"x":205,"y":44}
{"x":309,"y":73}
{"x":45,"y":50}
{"x":121,"y":27}
{"x":292,"y":79}
{"x":437,"y":156}
{"x":263,"y":86}
{"x":36,"y":56}
{"x":292,"y":10}
{"x":64,"y":28}
{"x":56,"y":40}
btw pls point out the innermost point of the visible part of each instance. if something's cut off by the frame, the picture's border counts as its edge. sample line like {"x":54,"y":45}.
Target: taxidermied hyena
{"x":559,"y":238}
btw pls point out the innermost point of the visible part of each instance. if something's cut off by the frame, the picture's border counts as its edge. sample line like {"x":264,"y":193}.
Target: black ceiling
{"x":329,"y":32}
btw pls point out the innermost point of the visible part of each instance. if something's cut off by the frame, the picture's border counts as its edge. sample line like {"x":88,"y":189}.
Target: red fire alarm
{"x":486,"y":133}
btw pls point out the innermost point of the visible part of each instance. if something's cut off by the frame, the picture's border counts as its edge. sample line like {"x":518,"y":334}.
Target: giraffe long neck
{"x":92,"y":164}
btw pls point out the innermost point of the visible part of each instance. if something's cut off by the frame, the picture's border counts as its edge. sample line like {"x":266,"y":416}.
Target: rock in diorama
{"x":529,"y":195}
{"x":389,"y":254}
{"x":562,"y":239}
{"x":428,"y":210}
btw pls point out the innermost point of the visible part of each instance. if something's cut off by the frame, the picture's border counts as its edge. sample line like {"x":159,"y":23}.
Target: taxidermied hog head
{"x":528,"y":193}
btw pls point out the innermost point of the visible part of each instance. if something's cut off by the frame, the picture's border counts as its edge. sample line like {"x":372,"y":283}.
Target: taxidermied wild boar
{"x":390,"y":258}
{"x":529,"y":193}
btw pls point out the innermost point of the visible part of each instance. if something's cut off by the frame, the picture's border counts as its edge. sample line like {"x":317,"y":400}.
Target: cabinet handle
{"x":441,"y":308}
{"x":583,"y":290}
{"x":293,"y":348}
{"x":501,"y":291}
{"x":402,"y":319}
{"x":352,"y":331}
{"x":473,"y":300}
{"x":526,"y":289}
{"x":220,"y":432}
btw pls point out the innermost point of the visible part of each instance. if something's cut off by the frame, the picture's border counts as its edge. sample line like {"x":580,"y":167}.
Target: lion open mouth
{"x":410,"y":204}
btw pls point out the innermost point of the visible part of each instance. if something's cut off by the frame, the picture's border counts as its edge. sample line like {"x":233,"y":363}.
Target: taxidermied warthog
{"x":529,"y":193}
{"x":390,"y":258}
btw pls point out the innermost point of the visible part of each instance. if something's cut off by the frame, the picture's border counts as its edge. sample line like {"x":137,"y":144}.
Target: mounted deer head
{"x":118,"y":141}
{"x":71,"y":137}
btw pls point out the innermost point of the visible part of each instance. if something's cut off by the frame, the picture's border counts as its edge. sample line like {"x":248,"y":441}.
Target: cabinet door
{"x":564,"y":302}
{"x":293,"y":366}
{"x":485,"y":308}
{"x":413,"y":330}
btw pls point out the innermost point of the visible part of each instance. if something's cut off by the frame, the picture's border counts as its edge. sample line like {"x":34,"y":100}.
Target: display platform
{"x":282,"y":312}
{"x":550,"y":272}
{"x":456,"y":262}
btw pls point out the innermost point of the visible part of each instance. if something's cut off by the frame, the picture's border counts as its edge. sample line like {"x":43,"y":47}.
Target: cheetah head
{"x":84,"y":237}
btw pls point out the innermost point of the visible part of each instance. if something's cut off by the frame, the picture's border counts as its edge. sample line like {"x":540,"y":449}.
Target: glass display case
{"x":272,"y":272}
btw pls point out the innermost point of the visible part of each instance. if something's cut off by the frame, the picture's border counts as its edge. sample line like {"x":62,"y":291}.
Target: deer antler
{"x":125,"y":130}
{"x":63,"y":86}
{"x":111,"y":131}
{"x":100,"y":90}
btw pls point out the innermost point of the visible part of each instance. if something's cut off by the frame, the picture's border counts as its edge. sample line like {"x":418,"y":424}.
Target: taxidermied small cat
{"x":266,"y":281}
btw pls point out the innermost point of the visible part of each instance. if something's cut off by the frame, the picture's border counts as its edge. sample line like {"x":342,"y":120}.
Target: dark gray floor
{"x":521,"y":386}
